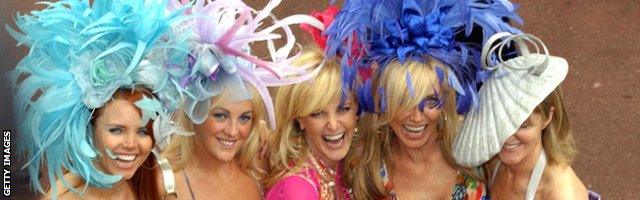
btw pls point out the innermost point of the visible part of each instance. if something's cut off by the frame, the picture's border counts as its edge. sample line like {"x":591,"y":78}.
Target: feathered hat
{"x":80,"y":53}
{"x":219,"y":54}
{"x":389,"y":30}
{"x":508,"y":97}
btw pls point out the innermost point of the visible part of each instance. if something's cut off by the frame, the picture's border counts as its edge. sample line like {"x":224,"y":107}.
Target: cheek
{"x":349,"y":121}
{"x":529,"y":135}
{"x":209,"y":127}
{"x":432,"y":114}
{"x":146,"y":143}
{"x":245,"y":130}
{"x":103,"y":140}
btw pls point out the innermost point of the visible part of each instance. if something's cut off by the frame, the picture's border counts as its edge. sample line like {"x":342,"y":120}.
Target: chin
{"x":510,"y":158}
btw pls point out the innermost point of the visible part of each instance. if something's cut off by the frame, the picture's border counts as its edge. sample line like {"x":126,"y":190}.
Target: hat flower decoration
{"x":219,"y":54}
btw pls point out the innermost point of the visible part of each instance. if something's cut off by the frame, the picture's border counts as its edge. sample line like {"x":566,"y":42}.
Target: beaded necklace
{"x":326,"y":178}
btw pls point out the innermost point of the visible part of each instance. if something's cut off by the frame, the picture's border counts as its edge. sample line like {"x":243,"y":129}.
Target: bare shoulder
{"x":62,"y":191}
{"x":564,"y":183}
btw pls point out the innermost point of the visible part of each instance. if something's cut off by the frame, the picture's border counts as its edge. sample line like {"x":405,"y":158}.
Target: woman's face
{"x":123,"y":143}
{"x":526,"y":142}
{"x":329,"y":132}
{"x":414,"y":128}
{"x":225,"y":130}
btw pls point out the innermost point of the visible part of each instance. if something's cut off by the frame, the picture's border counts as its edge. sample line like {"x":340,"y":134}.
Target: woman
{"x":533,"y":145}
{"x":125,"y":147}
{"x":316,"y":124}
{"x":83,"y":100}
{"x":226,"y":100}
{"x":424,"y":74}
{"x":222,"y":151}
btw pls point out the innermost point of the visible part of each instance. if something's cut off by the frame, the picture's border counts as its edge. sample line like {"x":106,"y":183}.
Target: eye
{"x":245,"y":118}
{"x":317,"y":114}
{"x":343,"y":109}
{"x":524,"y":125}
{"x":220,"y":116}
{"x":143,"y":132}
{"x":116,"y":131}
{"x":432,"y":102}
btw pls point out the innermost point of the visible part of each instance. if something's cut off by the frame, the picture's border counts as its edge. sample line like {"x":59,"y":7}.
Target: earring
{"x":356,"y":134}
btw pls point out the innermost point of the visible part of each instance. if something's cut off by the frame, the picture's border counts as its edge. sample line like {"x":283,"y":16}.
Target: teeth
{"x":333,"y":137}
{"x":127,"y":157}
{"x":226,"y":142}
{"x":414,"y":128}
{"x":511,"y":146}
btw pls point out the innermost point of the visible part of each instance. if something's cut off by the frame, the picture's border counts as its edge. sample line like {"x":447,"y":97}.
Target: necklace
{"x":326,"y":180}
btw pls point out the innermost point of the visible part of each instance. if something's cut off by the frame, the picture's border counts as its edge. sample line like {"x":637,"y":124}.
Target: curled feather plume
{"x":220,"y":54}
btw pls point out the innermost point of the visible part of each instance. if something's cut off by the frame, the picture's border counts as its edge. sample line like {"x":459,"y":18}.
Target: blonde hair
{"x":180,"y":150}
{"x":379,"y":140}
{"x":298,"y":100}
{"x":556,"y":138}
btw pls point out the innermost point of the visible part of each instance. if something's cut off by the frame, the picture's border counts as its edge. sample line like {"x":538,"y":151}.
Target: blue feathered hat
{"x":402,"y":30}
{"x":80,"y":53}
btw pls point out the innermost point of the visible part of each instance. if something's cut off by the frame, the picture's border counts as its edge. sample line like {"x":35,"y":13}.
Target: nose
{"x":332,"y":123}
{"x":415,"y":115}
{"x":130,"y":141}
{"x":232,"y":128}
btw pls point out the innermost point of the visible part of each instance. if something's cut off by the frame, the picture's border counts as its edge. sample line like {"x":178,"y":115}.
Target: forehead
{"x":119,"y":112}
{"x":238,"y":106}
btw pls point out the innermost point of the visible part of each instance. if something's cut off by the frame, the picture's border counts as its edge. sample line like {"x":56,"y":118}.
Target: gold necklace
{"x":326,"y":179}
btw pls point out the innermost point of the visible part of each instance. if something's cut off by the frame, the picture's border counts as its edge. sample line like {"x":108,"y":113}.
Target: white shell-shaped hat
{"x":508,"y":97}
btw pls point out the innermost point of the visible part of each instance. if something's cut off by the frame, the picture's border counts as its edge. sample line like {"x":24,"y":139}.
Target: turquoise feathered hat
{"x":80,"y":53}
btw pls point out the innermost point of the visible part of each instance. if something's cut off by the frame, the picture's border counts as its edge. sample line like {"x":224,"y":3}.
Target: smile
{"x":227,"y":143}
{"x":125,"y":161}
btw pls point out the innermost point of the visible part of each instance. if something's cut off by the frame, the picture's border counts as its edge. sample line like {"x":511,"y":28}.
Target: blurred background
{"x":599,"y":39}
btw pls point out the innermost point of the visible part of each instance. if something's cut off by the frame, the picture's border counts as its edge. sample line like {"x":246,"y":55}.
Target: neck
{"x":428,"y":153}
{"x":523,"y":169}
{"x":120,"y":190}
{"x":206,"y":163}
{"x":329,"y":164}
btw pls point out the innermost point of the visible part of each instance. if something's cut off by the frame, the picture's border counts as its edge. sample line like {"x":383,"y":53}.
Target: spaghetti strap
{"x":495,"y":173}
{"x":193,"y":197}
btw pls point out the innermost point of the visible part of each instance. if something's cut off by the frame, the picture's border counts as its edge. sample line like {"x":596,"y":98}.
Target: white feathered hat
{"x":508,"y":97}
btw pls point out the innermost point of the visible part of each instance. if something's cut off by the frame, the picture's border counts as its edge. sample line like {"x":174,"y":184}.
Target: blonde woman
{"x":222,"y":152}
{"x":424,"y":74}
{"x":528,"y":138}
{"x":225,"y":97}
{"x":316,"y":122}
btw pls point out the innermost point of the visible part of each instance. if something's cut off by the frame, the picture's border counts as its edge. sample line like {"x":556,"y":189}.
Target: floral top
{"x":467,"y":188}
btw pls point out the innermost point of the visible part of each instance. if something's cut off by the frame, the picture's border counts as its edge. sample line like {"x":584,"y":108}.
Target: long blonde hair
{"x":556,"y":138}
{"x":298,"y":100}
{"x":180,"y":150}
{"x":379,"y":140}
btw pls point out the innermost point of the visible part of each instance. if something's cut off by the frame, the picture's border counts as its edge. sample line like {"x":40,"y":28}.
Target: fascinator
{"x":219,"y":54}
{"x":80,"y":53}
{"x":402,"y":30}
{"x":508,"y":97}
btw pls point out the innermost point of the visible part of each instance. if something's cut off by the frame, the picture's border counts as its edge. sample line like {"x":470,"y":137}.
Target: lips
{"x":125,"y":161}
{"x":511,"y":146}
{"x":227,"y":143}
{"x":334,"y":141}
{"x":414,"y":132}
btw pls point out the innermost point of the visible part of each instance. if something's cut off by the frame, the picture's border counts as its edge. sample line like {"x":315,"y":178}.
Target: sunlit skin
{"x":329,"y":132}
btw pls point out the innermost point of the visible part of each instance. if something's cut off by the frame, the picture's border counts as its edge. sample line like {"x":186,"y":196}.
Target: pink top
{"x":302,"y":185}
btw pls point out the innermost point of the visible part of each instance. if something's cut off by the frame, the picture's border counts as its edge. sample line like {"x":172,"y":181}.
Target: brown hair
{"x":144,"y":180}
